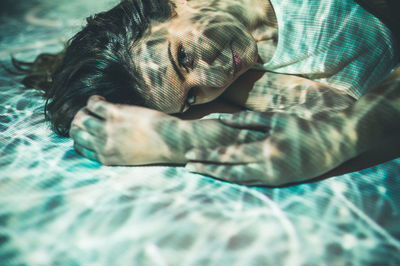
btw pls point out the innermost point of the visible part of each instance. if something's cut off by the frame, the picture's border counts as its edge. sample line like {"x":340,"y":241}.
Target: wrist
{"x":175,"y":139}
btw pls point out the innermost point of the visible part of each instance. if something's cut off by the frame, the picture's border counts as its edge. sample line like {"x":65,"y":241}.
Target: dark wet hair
{"x":97,"y":60}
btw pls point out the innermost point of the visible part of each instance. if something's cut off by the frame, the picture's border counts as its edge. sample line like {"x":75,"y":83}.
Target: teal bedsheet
{"x":57,"y":208}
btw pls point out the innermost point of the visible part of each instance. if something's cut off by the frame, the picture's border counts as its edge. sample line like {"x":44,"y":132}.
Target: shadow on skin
{"x":378,"y":155}
{"x":387,"y":152}
{"x":231,"y":101}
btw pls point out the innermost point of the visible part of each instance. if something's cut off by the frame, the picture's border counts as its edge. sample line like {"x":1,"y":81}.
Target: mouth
{"x":237,"y":61}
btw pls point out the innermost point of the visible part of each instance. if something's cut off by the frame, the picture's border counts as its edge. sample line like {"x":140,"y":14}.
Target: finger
{"x":211,"y":133}
{"x":84,"y":120}
{"x":95,"y":126}
{"x":83,"y":138}
{"x":233,"y":154}
{"x":79,"y":117}
{"x":253,"y":120}
{"x":86,"y":152}
{"x":98,"y":106}
{"x":98,"y":97}
{"x":246,"y":174}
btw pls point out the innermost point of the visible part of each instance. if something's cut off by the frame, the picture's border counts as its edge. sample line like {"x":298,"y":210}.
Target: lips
{"x":237,"y":61}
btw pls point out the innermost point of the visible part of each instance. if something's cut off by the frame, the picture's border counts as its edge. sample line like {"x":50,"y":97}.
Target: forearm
{"x":183,"y":135}
{"x":375,"y":118}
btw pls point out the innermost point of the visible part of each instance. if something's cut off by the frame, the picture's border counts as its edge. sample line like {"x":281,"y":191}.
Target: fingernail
{"x":225,"y":116}
{"x":190,"y":155}
{"x":97,"y":98}
{"x":190,"y":167}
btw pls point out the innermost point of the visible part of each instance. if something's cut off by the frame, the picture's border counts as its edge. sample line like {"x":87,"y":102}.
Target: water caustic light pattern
{"x":58,"y":208}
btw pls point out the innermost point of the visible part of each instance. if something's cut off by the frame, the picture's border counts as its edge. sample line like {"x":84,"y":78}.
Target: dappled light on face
{"x":163,"y":90}
{"x":183,"y":53}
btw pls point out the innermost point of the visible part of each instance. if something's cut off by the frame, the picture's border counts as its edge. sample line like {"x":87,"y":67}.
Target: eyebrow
{"x":171,"y":58}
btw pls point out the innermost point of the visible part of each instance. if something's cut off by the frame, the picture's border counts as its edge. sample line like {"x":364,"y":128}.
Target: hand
{"x":295,"y":150}
{"x":130,"y":135}
{"x":120,"y":134}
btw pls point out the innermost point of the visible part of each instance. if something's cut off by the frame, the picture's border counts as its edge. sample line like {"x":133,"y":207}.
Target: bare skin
{"x":131,"y":135}
{"x":300,"y":130}
{"x":277,"y":147}
{"x":298,"y":149}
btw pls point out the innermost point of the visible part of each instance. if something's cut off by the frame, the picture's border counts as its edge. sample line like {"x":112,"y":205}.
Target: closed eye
{"x":185,"y":60}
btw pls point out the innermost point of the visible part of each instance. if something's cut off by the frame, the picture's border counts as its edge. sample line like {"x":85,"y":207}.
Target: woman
{"x":190,"y":52}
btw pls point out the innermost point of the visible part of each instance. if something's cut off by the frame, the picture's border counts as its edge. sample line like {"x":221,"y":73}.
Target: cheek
{"x":215,"y":77}
{"x":207,"y":94}
{"x":168,"y":98}
{"x":210,"y":85}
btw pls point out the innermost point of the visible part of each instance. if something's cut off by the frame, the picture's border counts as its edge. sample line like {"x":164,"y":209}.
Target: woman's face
{"x":193,"y":58}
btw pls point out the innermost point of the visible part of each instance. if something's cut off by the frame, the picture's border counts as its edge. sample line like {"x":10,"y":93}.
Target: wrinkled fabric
{"x":337,"y":43}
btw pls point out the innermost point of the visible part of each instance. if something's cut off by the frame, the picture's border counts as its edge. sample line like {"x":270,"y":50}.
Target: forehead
{"x":152,"y":61}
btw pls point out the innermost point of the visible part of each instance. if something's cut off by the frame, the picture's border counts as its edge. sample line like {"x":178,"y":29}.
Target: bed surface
{"x":58,"y":208}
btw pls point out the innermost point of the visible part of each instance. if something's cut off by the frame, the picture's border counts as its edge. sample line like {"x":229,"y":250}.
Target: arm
{"x":298,"y":149}
{"x":131,"y":135}
{"x":375,"y":118}
{"x":272,"y":92}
